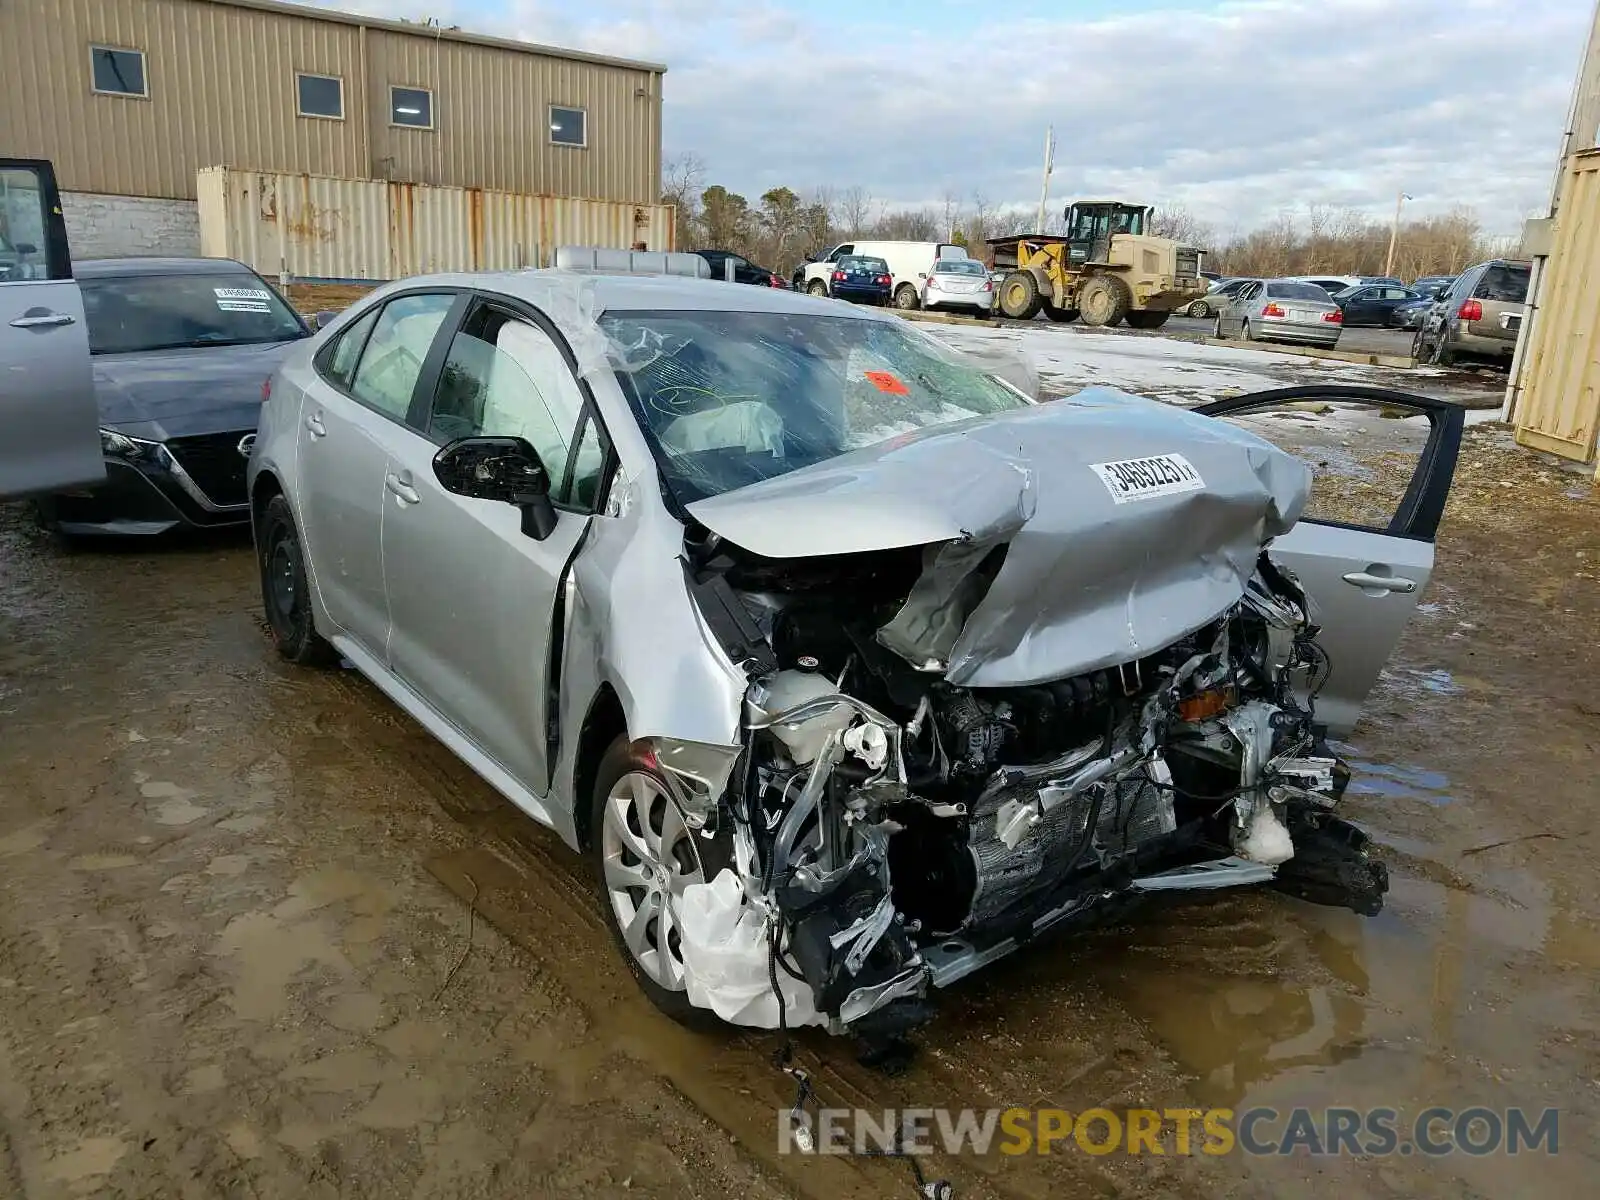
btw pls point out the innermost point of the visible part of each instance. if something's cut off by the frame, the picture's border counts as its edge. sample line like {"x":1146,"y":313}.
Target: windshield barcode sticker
{"x":1145,"y":478}
{"x":243,"y":300}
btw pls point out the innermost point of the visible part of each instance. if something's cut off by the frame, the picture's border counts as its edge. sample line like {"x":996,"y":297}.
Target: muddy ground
{"x":261,"y":936}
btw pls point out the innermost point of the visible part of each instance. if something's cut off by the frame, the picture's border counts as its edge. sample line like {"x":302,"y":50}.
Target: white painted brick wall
{"x":101,"y":226}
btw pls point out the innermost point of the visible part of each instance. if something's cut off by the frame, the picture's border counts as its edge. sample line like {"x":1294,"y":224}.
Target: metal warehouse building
{"x":131,"y":97}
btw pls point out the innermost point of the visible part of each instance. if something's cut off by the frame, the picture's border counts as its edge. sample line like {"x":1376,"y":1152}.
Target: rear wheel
{"x":1103,"y":300}
{"x":1146,"y":319}
{"x":285,"y":592}
{"x":644,"y":857}
{"x":905,"y":297}
{"x":1245,"y":333}
{"x":1063,"y":316}
{"x":816,"y":288}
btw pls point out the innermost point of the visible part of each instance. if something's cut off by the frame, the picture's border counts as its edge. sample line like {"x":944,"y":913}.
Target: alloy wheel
{"x":649,"y":857}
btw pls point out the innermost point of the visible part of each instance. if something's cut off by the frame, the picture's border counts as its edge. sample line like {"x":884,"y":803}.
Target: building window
{"x":320,"y":96}
{"x":118,"y":72}
{"x":568,"y":126}
{"x":411,"y":106}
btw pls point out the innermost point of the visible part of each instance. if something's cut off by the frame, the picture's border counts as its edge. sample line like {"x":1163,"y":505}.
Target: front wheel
{"x":285,"y":592}
{"x":1104,"y":300}
{"x":645,"y":856}
{"x":1020,"y":298}
{"x":1216,"y":328}
{"x":1200,"y":309}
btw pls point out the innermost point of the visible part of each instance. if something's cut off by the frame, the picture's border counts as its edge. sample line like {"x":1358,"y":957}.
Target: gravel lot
{"x":262,"y":936}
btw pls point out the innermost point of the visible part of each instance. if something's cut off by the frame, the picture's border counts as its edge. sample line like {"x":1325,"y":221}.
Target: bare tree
{"x":855,"y":211}
{"x":682,"y":178}
{"x":1178,"y":223}
{"x":950,"y":214}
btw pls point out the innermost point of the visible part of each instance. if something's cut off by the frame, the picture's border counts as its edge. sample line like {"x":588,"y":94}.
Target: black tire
{"x":1062,"y":316}
{"x":1019,"y":296}
{"x":1216,"y":328}
{"x":285,"y":591}
{"x":1103,"y":300}
{"x":618,"y":763}
{"x":905,"y":298}
{"x":1245,"y":335}
{"x":1443,"y":356}
{"x":816,"y":288}
{"x":1146,"y":319}
{"x":1419,"y":344}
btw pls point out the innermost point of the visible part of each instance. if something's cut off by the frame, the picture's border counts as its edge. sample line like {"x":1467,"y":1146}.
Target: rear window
{"x":1504,"y":283}
{"x":1287,"y":290}
{"x":859,"y":262}
{"x":959,"y":266}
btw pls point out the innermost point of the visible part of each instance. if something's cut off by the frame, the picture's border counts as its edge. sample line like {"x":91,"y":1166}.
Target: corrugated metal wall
{"x":313,"y":227}
{"x":1560,"y":407}
{"x":221,"y":79}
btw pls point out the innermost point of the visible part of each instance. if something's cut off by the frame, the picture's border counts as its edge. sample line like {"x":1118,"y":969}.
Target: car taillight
{"x":988,"y":285}
{"x":774,"y":281}
{"x":266,"y":389}
{"x":1273,"y":310}
{"x":884,"y":279}
{"x":1471,"y":310}
{"x":837,"y":276}
{"x":1336,"y":316}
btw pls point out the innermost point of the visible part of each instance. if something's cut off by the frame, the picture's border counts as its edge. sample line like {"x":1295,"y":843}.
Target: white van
{"x":908,"y":264}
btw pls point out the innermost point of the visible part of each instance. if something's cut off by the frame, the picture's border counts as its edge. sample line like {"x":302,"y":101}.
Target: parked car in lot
{"x":1432,"y":286}
{"x":908,"y":266}
{"x":691,"y":573}
{"x":860,"y":279}
{"x":1479,"y":317}
{"x":962,"y":283}
{"x":1374,"y":303}
{"x":48,"y":419}
{"x":1282,"y":310}
{"x":1216,"y":297}
{"x":1330,"y":283}
{"x":743,"y":270}
{"x":182,"y":351}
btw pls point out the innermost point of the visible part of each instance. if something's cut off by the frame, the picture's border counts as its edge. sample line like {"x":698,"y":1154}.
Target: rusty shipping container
{"x":312,"y":227}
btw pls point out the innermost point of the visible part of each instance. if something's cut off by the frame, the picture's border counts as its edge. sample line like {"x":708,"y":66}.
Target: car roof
{"x":114,"y":268}
{"x":570,"y":293}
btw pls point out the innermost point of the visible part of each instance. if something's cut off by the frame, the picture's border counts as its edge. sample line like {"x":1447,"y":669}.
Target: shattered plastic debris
{"x":726,"y":959}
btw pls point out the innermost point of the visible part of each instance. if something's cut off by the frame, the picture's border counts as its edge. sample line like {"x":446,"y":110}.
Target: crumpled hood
{"x":160,"y":394}
{"x":1127,"y":525}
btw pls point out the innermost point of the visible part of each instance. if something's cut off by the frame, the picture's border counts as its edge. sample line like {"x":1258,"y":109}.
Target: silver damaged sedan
{"x":849,"y":666}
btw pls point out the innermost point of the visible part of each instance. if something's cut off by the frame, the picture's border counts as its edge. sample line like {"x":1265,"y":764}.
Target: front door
{"x":49,"y":421}
{"x":1365,"y":574}
{"x":359,"y":396}
{"x":471,"y":597}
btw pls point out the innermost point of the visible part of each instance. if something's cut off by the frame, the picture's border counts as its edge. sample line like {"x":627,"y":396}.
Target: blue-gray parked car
{"x":182,"y":350}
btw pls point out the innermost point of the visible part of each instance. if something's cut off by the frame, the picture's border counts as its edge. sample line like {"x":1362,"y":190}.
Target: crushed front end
{"x":893,"y":832}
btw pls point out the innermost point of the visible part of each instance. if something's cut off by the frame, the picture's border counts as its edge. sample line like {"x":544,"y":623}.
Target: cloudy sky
{"x":1237,"y":109}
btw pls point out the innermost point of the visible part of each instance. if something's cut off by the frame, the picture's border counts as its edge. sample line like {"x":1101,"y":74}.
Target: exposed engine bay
{"x":893,"y":832}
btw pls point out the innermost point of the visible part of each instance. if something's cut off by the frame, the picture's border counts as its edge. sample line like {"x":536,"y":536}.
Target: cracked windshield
{"x":730,"y":398}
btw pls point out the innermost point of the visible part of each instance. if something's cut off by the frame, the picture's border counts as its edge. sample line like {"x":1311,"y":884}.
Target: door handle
{"x":315,"y":426}
{"x":41,"y":321}
{"x":402,"y":489}
{"x":1387,"y":583}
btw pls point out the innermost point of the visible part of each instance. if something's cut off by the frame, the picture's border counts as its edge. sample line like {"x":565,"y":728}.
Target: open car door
{"x":1364,"y":579}
{"x":49,"y":421}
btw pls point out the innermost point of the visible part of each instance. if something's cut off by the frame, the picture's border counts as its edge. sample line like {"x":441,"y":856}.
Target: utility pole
{"x":1394,"y":232}
{"x":1049,"y":165}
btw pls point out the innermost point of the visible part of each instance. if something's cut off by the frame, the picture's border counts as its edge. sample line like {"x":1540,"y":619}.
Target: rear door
{"x":1365,"y":575}
{"x":1361,"y":307}
{"x":49,"y":421}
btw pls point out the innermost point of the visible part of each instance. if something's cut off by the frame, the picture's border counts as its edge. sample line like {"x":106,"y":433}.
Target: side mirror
{"x":322,"y":319}
{"x":506,"y":469}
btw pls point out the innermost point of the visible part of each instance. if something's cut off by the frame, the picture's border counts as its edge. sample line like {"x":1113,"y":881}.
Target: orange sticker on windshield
{"x":886,"y":382}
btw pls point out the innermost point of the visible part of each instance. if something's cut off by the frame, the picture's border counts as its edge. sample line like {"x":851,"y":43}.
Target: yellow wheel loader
{"x":1105,"y":269}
